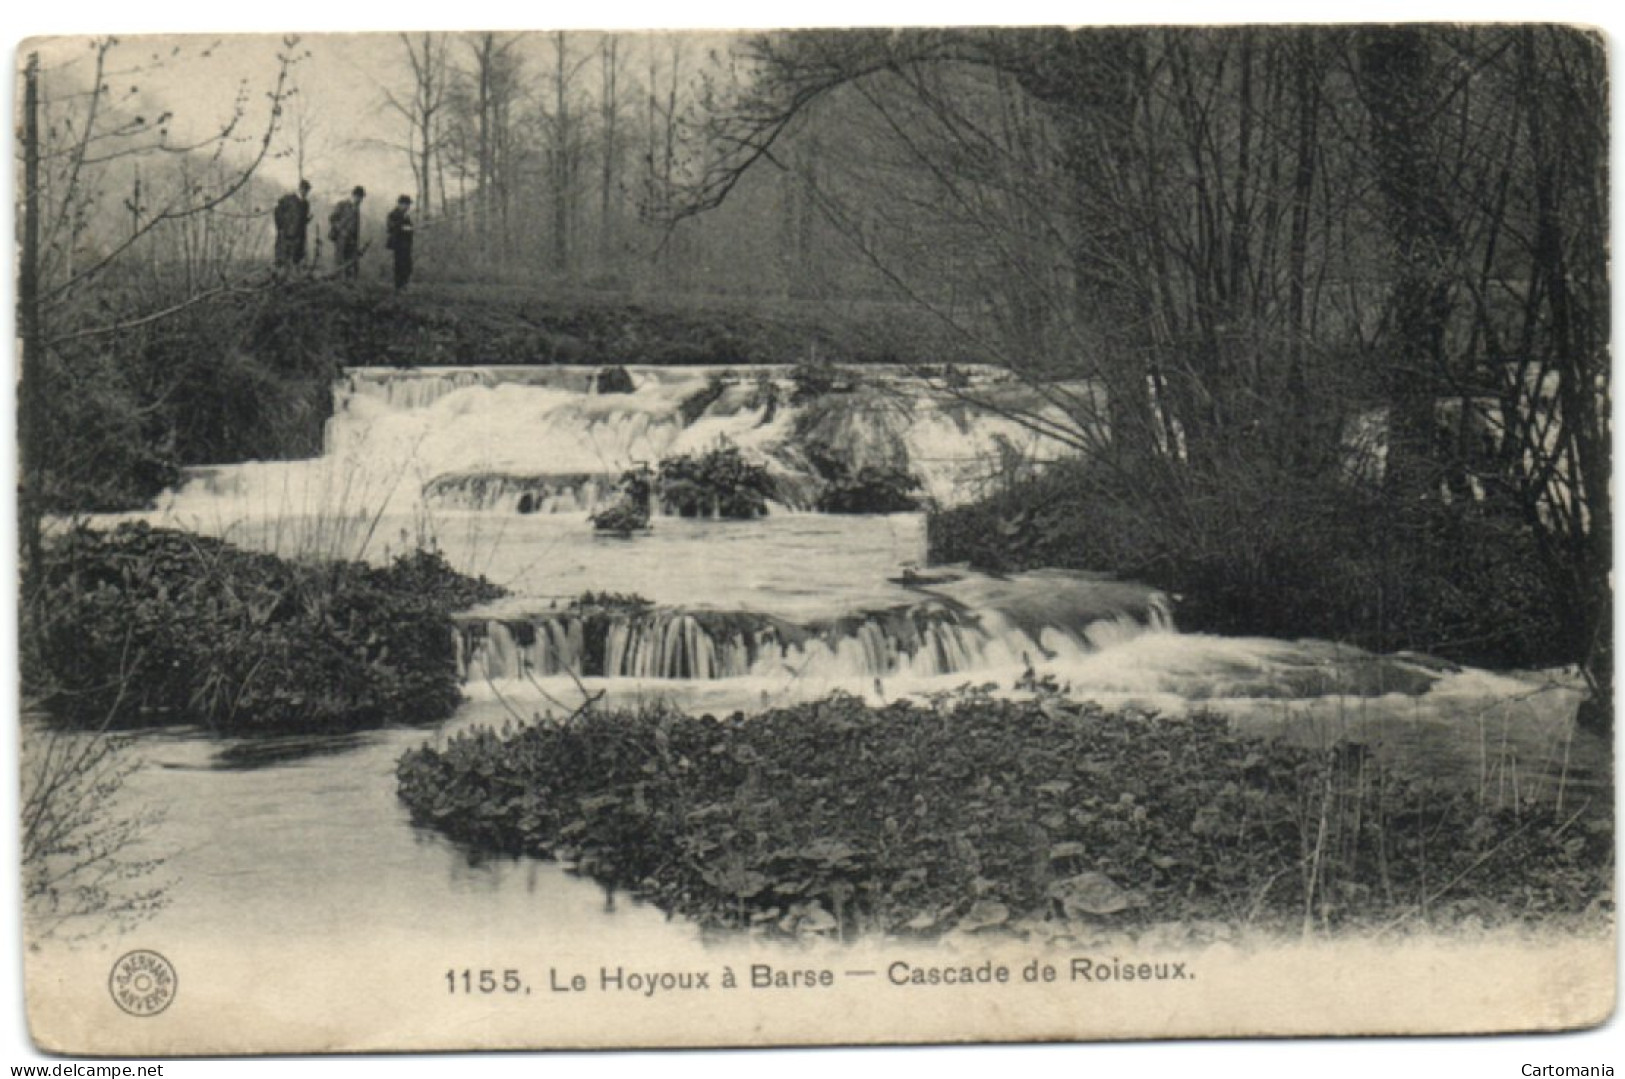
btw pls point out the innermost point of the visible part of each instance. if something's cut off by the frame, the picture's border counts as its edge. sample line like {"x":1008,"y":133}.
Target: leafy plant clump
{"x":143,"y":626}
{"x":717,"y":483}
{"x":869,"y":489}
{"x":1042,"y":817}
{"x":629,"y":512}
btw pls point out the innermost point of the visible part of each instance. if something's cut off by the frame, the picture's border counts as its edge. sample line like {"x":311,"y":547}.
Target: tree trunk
{"x":561,"y":161}
{"x":32,"y":394}
{"x":1401,"y":90}
{"x":1575,"y":349}
{"x":609,"y":109}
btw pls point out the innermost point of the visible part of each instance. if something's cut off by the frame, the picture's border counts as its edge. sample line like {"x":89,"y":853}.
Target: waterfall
{"x":539,"y":440}
{"x":484,"y":492}
{"x":926,"y":639}
{"x":497,"y":469}
{"x":483,"y":437}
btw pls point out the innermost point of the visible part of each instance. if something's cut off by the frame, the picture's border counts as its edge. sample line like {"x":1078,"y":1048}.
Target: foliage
{"x":252,"y":377}
{"x":869,"y":489}
{"x":717,"y":483}
{"x":1255,"y":553}
{"x":239,"y":377}
{"x":623,"y":518}
{"x":143,"y":626}
{"x":630,"y":512}
{"x":425,"y":574}
{"x":1408,"y":221}
{"x":128,"y":231}
{"x":108,"y":450}
{"x":975,"y":812}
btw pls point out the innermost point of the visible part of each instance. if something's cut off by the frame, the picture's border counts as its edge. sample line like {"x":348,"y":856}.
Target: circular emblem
{"x":142,"y":983}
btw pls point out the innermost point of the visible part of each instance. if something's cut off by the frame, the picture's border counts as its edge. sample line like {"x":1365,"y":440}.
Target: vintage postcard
{"x":562,"y":539}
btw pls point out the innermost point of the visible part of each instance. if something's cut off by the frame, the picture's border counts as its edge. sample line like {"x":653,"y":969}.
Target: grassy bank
{"x":1265,"y":554}
{"x":493,"y":323}
{"x":144,"y":626}
{"x":1044,"y":817}
{"x":248,"y":373}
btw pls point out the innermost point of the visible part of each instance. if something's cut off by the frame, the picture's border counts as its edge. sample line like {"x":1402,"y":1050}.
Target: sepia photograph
{"x":648,"y":538}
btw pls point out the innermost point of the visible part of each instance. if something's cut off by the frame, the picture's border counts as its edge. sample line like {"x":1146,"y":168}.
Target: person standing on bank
{"x":344,"y":229}
{"x":399,"y":240}
{"x":292,"y":217}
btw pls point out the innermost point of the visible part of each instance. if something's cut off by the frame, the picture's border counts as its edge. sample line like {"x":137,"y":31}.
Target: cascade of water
{"x":473,"y":432}
{"x":408,"y":389}
{"x":487,"y":493}
{"x":522,"y":440}
{"x":924,"y":641}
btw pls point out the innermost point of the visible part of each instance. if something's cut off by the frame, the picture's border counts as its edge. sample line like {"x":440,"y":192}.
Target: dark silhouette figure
{"x":344,"y":229}
{"x":398,"y":238}
{"x":292,"y":217}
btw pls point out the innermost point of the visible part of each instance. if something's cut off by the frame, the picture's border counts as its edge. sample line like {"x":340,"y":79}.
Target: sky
{"x":339,"y":83}
{"x":342,"y":77}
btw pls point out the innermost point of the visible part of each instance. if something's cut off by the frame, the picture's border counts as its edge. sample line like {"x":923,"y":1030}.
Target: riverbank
{"x":248,"y":374}
{"x":441,"y":323}
{"x":1047,"y":818}
{"x":1277,"y":556}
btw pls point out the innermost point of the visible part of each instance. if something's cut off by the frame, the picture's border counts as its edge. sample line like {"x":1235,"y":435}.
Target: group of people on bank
{"x":292,"y":218}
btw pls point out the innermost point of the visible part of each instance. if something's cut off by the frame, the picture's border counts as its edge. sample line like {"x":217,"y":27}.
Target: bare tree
{"x":1245,"y":241}
{"x":82,"y":869}
{"x":609,"y":111}
{"x":482,"y":110}
{"x":80,"y":279}
{"x":563,"y":127}
{"x":422,"y":110}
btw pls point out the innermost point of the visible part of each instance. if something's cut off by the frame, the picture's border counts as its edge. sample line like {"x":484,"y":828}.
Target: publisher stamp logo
{"x":142,"y":983}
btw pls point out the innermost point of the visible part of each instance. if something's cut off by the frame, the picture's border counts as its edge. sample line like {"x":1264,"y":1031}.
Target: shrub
{"x":630,"y":511}
{"x":85,"y":865}
{"x":870,"y":489}
{"x":717,"y":483}
{"x":1267,"y":554}
{"x":151,"y":626}
{"x":107,"y":449}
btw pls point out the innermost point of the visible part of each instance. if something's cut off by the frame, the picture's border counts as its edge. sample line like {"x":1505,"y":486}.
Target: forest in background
{"x":1339,"y":294}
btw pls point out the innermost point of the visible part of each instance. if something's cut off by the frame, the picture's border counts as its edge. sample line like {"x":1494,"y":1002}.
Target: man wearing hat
{"x":344,"y":229}
{"x":399,"y":239}
{"x":291,"y":216}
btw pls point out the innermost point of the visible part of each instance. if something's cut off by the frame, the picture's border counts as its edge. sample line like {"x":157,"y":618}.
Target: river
{"x":265,"y":840}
